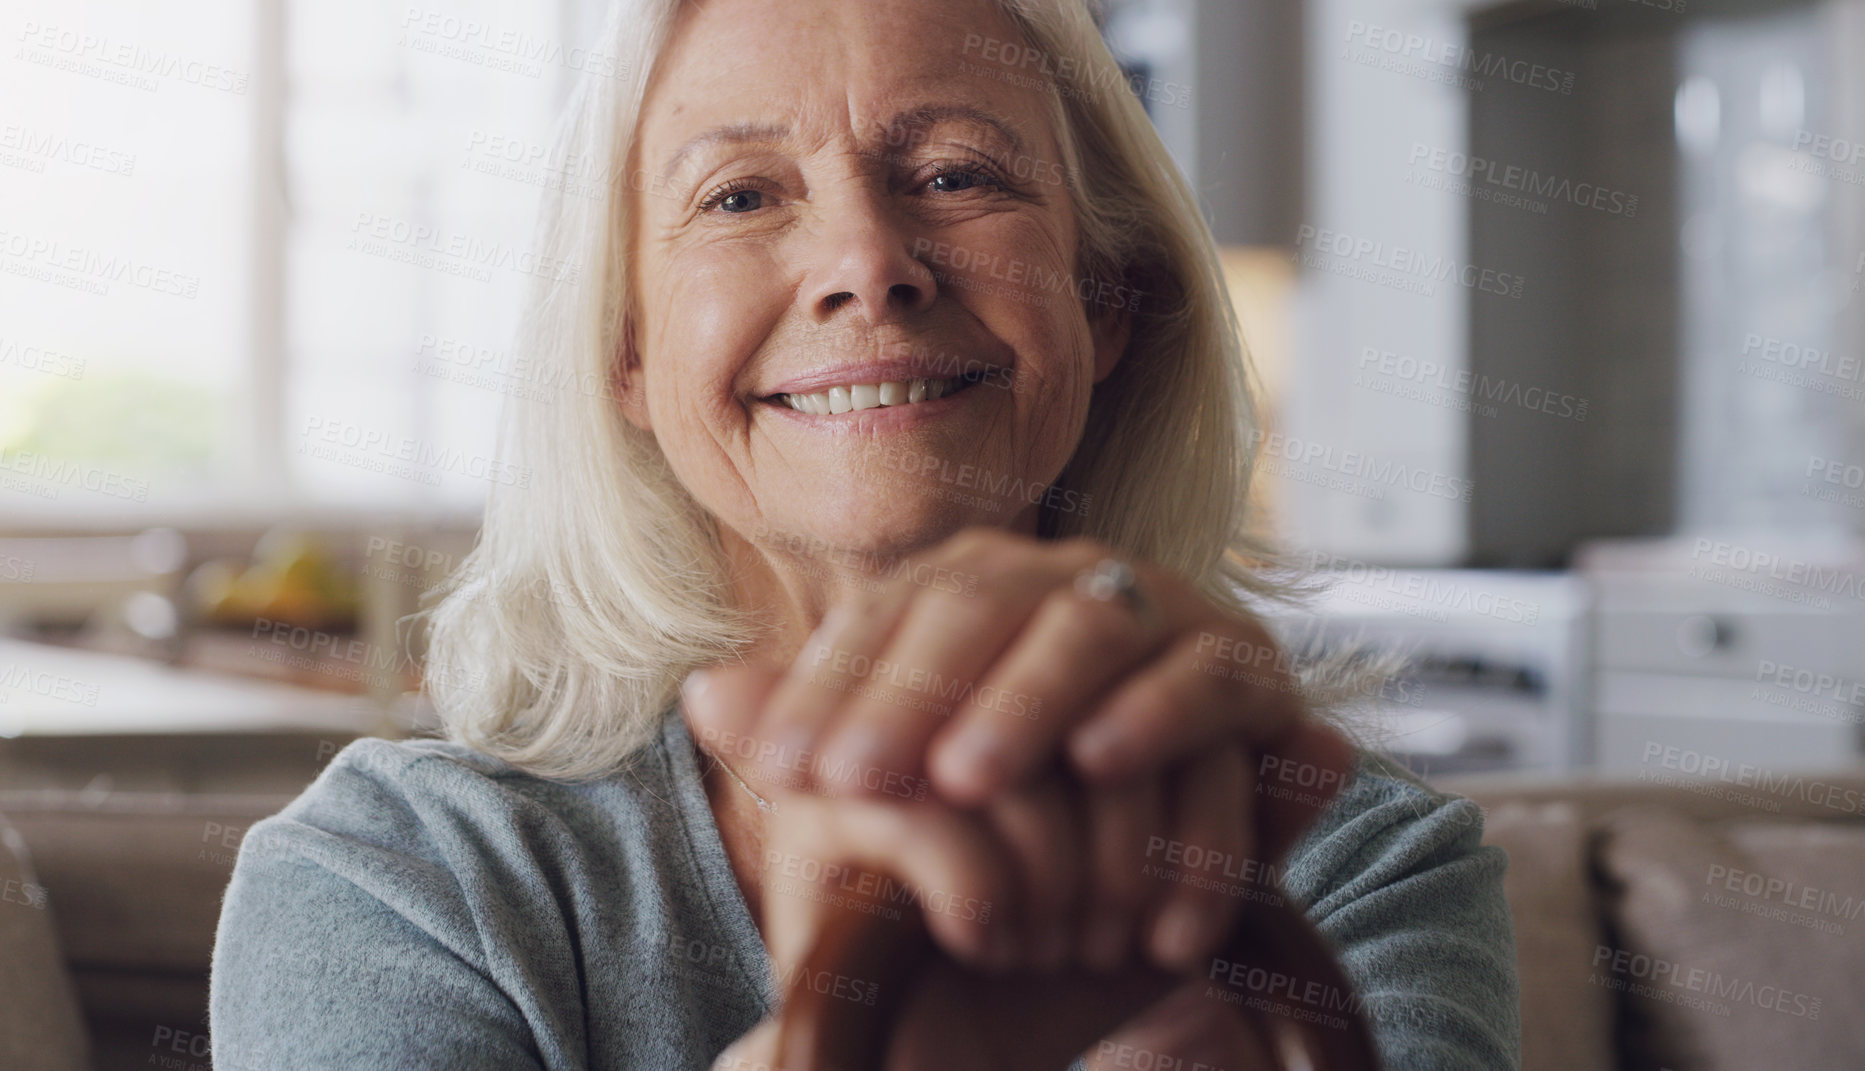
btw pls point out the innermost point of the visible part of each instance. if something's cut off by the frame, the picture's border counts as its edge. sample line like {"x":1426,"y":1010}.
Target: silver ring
{"x":1110,"y":579}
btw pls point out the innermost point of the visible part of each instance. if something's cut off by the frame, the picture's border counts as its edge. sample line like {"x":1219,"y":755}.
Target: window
{"x":266,"y":254}
{"x":124,"y":165}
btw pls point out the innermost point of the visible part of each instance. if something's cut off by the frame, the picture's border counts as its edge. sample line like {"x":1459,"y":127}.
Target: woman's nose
{"x":868,"y":266}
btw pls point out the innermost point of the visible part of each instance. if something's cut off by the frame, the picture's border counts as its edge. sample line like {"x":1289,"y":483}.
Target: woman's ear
{"x":1111,"y":330}
{"x":628,"y":381}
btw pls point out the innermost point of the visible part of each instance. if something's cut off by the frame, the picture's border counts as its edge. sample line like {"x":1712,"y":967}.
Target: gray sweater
{"x":425,"y":906}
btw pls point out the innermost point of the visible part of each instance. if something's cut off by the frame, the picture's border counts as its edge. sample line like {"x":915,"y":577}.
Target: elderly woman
{"x":908,"y":434}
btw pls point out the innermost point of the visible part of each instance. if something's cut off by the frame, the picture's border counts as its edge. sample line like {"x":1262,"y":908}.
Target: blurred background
{"x":1557,"y":305}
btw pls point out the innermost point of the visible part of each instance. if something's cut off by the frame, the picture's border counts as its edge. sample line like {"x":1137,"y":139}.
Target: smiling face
{"x":851,"y":204}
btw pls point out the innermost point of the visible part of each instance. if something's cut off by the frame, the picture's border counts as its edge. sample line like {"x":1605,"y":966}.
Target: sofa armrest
{"x":40,"y":1026}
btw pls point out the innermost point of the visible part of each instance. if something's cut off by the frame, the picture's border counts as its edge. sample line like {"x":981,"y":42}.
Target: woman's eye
{"x":960,"y":180}
{"x":733,"y":198}
{"x":741,"y":201}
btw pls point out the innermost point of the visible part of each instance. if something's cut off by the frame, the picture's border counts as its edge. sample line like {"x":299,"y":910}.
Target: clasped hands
{"x":1064,"y":786}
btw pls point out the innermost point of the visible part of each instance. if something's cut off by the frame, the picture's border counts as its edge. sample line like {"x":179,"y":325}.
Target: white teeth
{"x":860,"y":396}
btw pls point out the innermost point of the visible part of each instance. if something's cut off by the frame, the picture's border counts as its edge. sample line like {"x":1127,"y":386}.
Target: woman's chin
{"x":887,"y":526}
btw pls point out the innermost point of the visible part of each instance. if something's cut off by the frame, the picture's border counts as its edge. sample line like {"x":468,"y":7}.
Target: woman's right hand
{"x":977,"y":878}
{"x":1172,"y":847}
{"x":1038,"y":897}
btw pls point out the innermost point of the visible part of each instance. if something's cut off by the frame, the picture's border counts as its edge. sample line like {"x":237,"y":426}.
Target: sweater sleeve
{"x":345,"y":941}
{"x":1397,"y":877}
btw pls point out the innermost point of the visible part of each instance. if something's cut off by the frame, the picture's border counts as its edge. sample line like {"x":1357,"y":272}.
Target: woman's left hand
{"x":980,"y":665}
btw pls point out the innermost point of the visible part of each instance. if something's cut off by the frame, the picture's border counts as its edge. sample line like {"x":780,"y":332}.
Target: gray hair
{"x":568,"y":686}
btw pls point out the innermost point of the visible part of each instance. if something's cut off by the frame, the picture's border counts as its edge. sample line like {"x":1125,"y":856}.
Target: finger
{"x":720,"y":705}
{"x":845,"y":854}
{"x":1123,"y":819}
{"x":943,"y":643}
{"x":1214,"y":827}
{"x":818,"y":681}
{"x":841,"y":652}
{"x":1039,"y":827}
{"x":946,"y":642}
{"x":1176,"y":706}
{"x":1050,"y":677}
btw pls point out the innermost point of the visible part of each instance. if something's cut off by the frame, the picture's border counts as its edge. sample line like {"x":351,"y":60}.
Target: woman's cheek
{"x":717,"y":316}
{"x":1054,"y":396}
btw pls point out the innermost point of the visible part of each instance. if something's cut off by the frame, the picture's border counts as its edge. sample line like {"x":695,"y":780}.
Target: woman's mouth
{"x":855,"y":397}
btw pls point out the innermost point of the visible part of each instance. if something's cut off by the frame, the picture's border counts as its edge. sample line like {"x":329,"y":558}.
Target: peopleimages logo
{"x":1024,"y":276}
{"x":94,"y":271}
{"x":1472,"y":385}
{"x":1449,"y":595}
{"x":496,"y":47}
{"x":1710,"y":985}
{"x":450,"y":251}
{"x":1804,"y":578}
{"x":1418,"y":271}
{"x":1803,"y":358}
{"x":39,"y":359}
{"x":1525,"y":180}
{"x":401,"y":455}
{"x":18,"y":678}
{"x":130,"y":59}
{"x":1451,"y":55}
{"x":1838,"y":150}
{"x":33,"y":147}
{"x":1362,"y":466}
{"x":1714,"y":769}
{"x":45,"y":476}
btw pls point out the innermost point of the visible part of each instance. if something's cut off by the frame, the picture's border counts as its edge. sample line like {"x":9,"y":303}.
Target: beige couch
{"x":1692,"y":925}
{"x":108,"y":902}
{"x":123,"y":846}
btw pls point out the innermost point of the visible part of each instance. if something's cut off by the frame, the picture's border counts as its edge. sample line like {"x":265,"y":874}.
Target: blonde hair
{"x":568,"y":686}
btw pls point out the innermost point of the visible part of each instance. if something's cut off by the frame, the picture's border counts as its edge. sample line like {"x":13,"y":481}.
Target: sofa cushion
{"x":139,"y":877}
{"x":1566,"y":1023}
{"x":1734,"y":944}
{"x":136,"y":880}
{"x":40,"y":1027}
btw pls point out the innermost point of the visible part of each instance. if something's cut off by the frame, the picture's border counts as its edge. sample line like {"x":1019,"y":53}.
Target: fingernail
{"x":1179,"y":934}
{"x":1097,"y":745}
{"x":971,"y":762}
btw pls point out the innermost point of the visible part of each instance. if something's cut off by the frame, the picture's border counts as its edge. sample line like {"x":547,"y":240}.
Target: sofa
{"x":119,"y":848}
{"x":1690,"y":921}
{"x":1698,"y":925}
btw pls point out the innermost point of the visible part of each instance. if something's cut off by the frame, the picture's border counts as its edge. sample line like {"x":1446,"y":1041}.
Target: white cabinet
{"x":1712,"y":654}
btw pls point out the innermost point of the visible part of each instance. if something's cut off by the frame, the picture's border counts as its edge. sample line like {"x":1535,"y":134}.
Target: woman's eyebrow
{"x":930,"y":115}
{"x":732,"y":133}
{"x":914,"y":119}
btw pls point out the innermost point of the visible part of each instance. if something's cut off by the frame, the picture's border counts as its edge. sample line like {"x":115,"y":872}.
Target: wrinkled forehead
{"x":882,"y":72}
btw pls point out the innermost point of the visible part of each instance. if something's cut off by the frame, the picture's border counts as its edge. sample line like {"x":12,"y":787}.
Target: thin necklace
{"x":763,"y":804}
